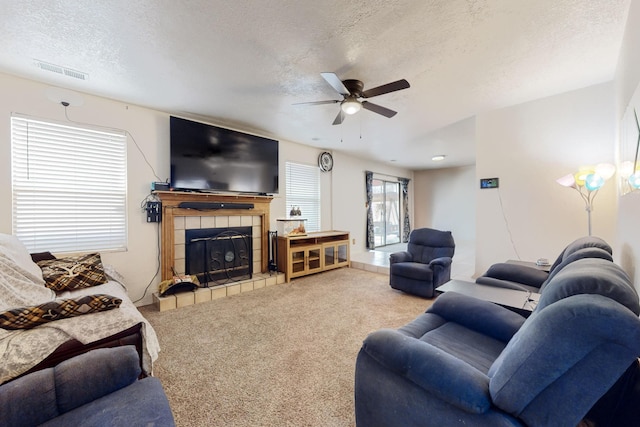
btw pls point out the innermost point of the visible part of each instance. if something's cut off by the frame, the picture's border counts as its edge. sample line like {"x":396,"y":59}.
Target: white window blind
{"x":69,"y":186}
{"x":303,"y":191}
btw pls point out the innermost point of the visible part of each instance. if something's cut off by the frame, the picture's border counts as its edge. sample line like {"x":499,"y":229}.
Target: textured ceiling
{"x":244,"y":63}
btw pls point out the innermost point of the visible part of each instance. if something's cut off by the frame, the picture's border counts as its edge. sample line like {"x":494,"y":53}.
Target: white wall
{"x":445,"y":199}
{"x":349,"y":195}
{"x":342,"y":189}
{"x":149,"y":128}
{"x":528,"y":147}
{"x":627,"y":250}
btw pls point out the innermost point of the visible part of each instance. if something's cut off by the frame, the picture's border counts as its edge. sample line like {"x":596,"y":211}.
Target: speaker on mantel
{"x":214,"y":205}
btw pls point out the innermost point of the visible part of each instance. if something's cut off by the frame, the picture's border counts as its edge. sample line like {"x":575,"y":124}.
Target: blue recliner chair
{"x":425,"y":265}
{"x":522,"y":277}
{"x":467,"y":362}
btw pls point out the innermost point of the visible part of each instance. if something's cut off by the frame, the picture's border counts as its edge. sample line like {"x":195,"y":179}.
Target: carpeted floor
{"x":278,"y":356}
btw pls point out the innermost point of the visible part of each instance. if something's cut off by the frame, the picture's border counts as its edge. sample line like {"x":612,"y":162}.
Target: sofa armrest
{"x":479,"y":315}
{"x":87,"y":377}
{"x":403,"y":256}
{"x":439,"y":373}
{"x":517,"y":273}
{"x":507,"y":284}
{"x":441,"y":262}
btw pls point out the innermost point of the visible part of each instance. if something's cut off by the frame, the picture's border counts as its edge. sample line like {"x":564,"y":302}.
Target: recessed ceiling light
{"x":438,"y":157}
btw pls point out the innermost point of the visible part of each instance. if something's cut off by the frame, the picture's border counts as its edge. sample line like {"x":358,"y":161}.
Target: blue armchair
{"x":425,"y":265}
{"x":469,"y":362}
{"x":522,"y":277}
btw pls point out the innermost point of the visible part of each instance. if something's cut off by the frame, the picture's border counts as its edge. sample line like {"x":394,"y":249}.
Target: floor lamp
{"x":587,"y":181}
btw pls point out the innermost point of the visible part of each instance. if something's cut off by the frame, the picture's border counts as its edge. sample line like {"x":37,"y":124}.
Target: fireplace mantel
{"x":170,"y":210}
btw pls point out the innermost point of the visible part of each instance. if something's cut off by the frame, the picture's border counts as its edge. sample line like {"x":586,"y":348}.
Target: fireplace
{"x":176,"y":220}
{"x":219,"y":255}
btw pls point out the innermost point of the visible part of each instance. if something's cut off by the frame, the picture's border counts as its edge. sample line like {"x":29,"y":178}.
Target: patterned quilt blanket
{"x":22,"y":349}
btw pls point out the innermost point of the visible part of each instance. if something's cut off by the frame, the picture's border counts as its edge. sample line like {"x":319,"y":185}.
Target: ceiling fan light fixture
{"x":350,"y":106}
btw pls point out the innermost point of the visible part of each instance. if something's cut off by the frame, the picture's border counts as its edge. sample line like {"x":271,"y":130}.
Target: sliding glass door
{"x":386,"y":212}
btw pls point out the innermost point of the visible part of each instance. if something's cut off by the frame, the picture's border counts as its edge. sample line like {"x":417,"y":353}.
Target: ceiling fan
{"x":352,"y":91}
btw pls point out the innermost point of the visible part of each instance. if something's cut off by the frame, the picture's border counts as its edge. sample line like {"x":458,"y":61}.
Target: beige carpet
{"x":278,"y":356}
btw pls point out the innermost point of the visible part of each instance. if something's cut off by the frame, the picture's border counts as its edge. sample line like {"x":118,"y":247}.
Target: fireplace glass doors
{"x":219,"y":255}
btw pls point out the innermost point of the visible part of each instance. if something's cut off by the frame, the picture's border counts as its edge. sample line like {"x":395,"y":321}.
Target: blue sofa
{"x":467,"y":362}
{"x":98,"y":388}
{"x":522,"y":277}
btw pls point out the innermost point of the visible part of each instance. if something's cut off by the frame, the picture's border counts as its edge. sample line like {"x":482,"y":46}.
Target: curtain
{"x":406,"y":224}
{"x":371,"y":243}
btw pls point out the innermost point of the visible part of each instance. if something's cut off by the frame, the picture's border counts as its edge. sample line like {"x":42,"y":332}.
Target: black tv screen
{"x":209,"y":158}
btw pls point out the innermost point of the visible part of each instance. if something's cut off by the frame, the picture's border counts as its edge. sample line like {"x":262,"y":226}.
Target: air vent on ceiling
{"x":62,"y":70}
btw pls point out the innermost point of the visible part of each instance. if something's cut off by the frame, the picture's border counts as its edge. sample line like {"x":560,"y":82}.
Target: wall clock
{"x":325,"y":161}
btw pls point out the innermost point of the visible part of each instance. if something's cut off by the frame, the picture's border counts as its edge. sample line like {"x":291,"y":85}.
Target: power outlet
{"x":154,"y":211}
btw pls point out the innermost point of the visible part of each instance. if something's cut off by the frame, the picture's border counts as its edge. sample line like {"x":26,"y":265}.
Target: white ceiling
{"x":244,"y":63}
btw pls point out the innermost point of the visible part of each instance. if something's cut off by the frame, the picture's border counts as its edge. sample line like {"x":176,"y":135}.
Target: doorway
{"x":386,"y":212}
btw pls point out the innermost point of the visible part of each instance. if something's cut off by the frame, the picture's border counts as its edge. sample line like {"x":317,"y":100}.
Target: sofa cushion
{"x":591,"y":276}
{"x":581,"y":243}
{"x":30,"y":317}
{"x":98,"y":388}
{"x":73,"y":272}
{"x":20,"y":397}
{"x":88,"y":377}
{"x":582,"y":344}
{"x":142,"y":403}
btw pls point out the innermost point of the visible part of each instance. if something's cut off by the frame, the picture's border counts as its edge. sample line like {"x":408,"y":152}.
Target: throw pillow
{"x":30,"y":317}
{"x":73,"y":272}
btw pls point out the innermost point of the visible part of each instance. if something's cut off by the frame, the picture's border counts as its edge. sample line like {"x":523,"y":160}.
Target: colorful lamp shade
{"x":567,"y":181}
{"x":593,"y":182}
{"x":587,"y":181}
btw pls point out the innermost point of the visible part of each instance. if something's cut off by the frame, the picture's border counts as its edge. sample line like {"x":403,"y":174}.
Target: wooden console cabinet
{"x":315,"y":252}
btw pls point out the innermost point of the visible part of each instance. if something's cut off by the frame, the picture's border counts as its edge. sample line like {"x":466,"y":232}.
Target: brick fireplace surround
{"x":176,"y":220}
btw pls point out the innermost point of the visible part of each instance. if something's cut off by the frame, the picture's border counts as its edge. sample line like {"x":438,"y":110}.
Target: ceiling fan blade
{"x":336,"y":83}
{"x":333,"y":101}
{"x":389,"y":87}
{"x":378,"y":109}
{"x":339,"y":118}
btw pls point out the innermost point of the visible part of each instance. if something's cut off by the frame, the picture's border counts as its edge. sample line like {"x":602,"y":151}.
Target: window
{"x":69,"y":186}
{"x":386,"y":212}
{"x":303,"y":191}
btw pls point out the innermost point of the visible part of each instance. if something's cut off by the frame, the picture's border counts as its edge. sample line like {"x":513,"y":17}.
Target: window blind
{"x":68,"y":185}
{"x":303,"y":191}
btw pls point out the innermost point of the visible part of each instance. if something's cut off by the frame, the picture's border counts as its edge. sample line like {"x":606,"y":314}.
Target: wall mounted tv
{"x":209,"y":158}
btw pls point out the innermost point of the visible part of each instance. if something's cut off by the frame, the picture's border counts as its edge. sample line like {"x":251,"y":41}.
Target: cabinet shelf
{"x":313,"y":253}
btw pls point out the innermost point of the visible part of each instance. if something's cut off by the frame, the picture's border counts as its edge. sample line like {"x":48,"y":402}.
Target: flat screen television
{"x":210,"y":158}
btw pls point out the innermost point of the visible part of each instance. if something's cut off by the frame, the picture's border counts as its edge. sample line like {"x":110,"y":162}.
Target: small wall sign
{"x":489,"y":182}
